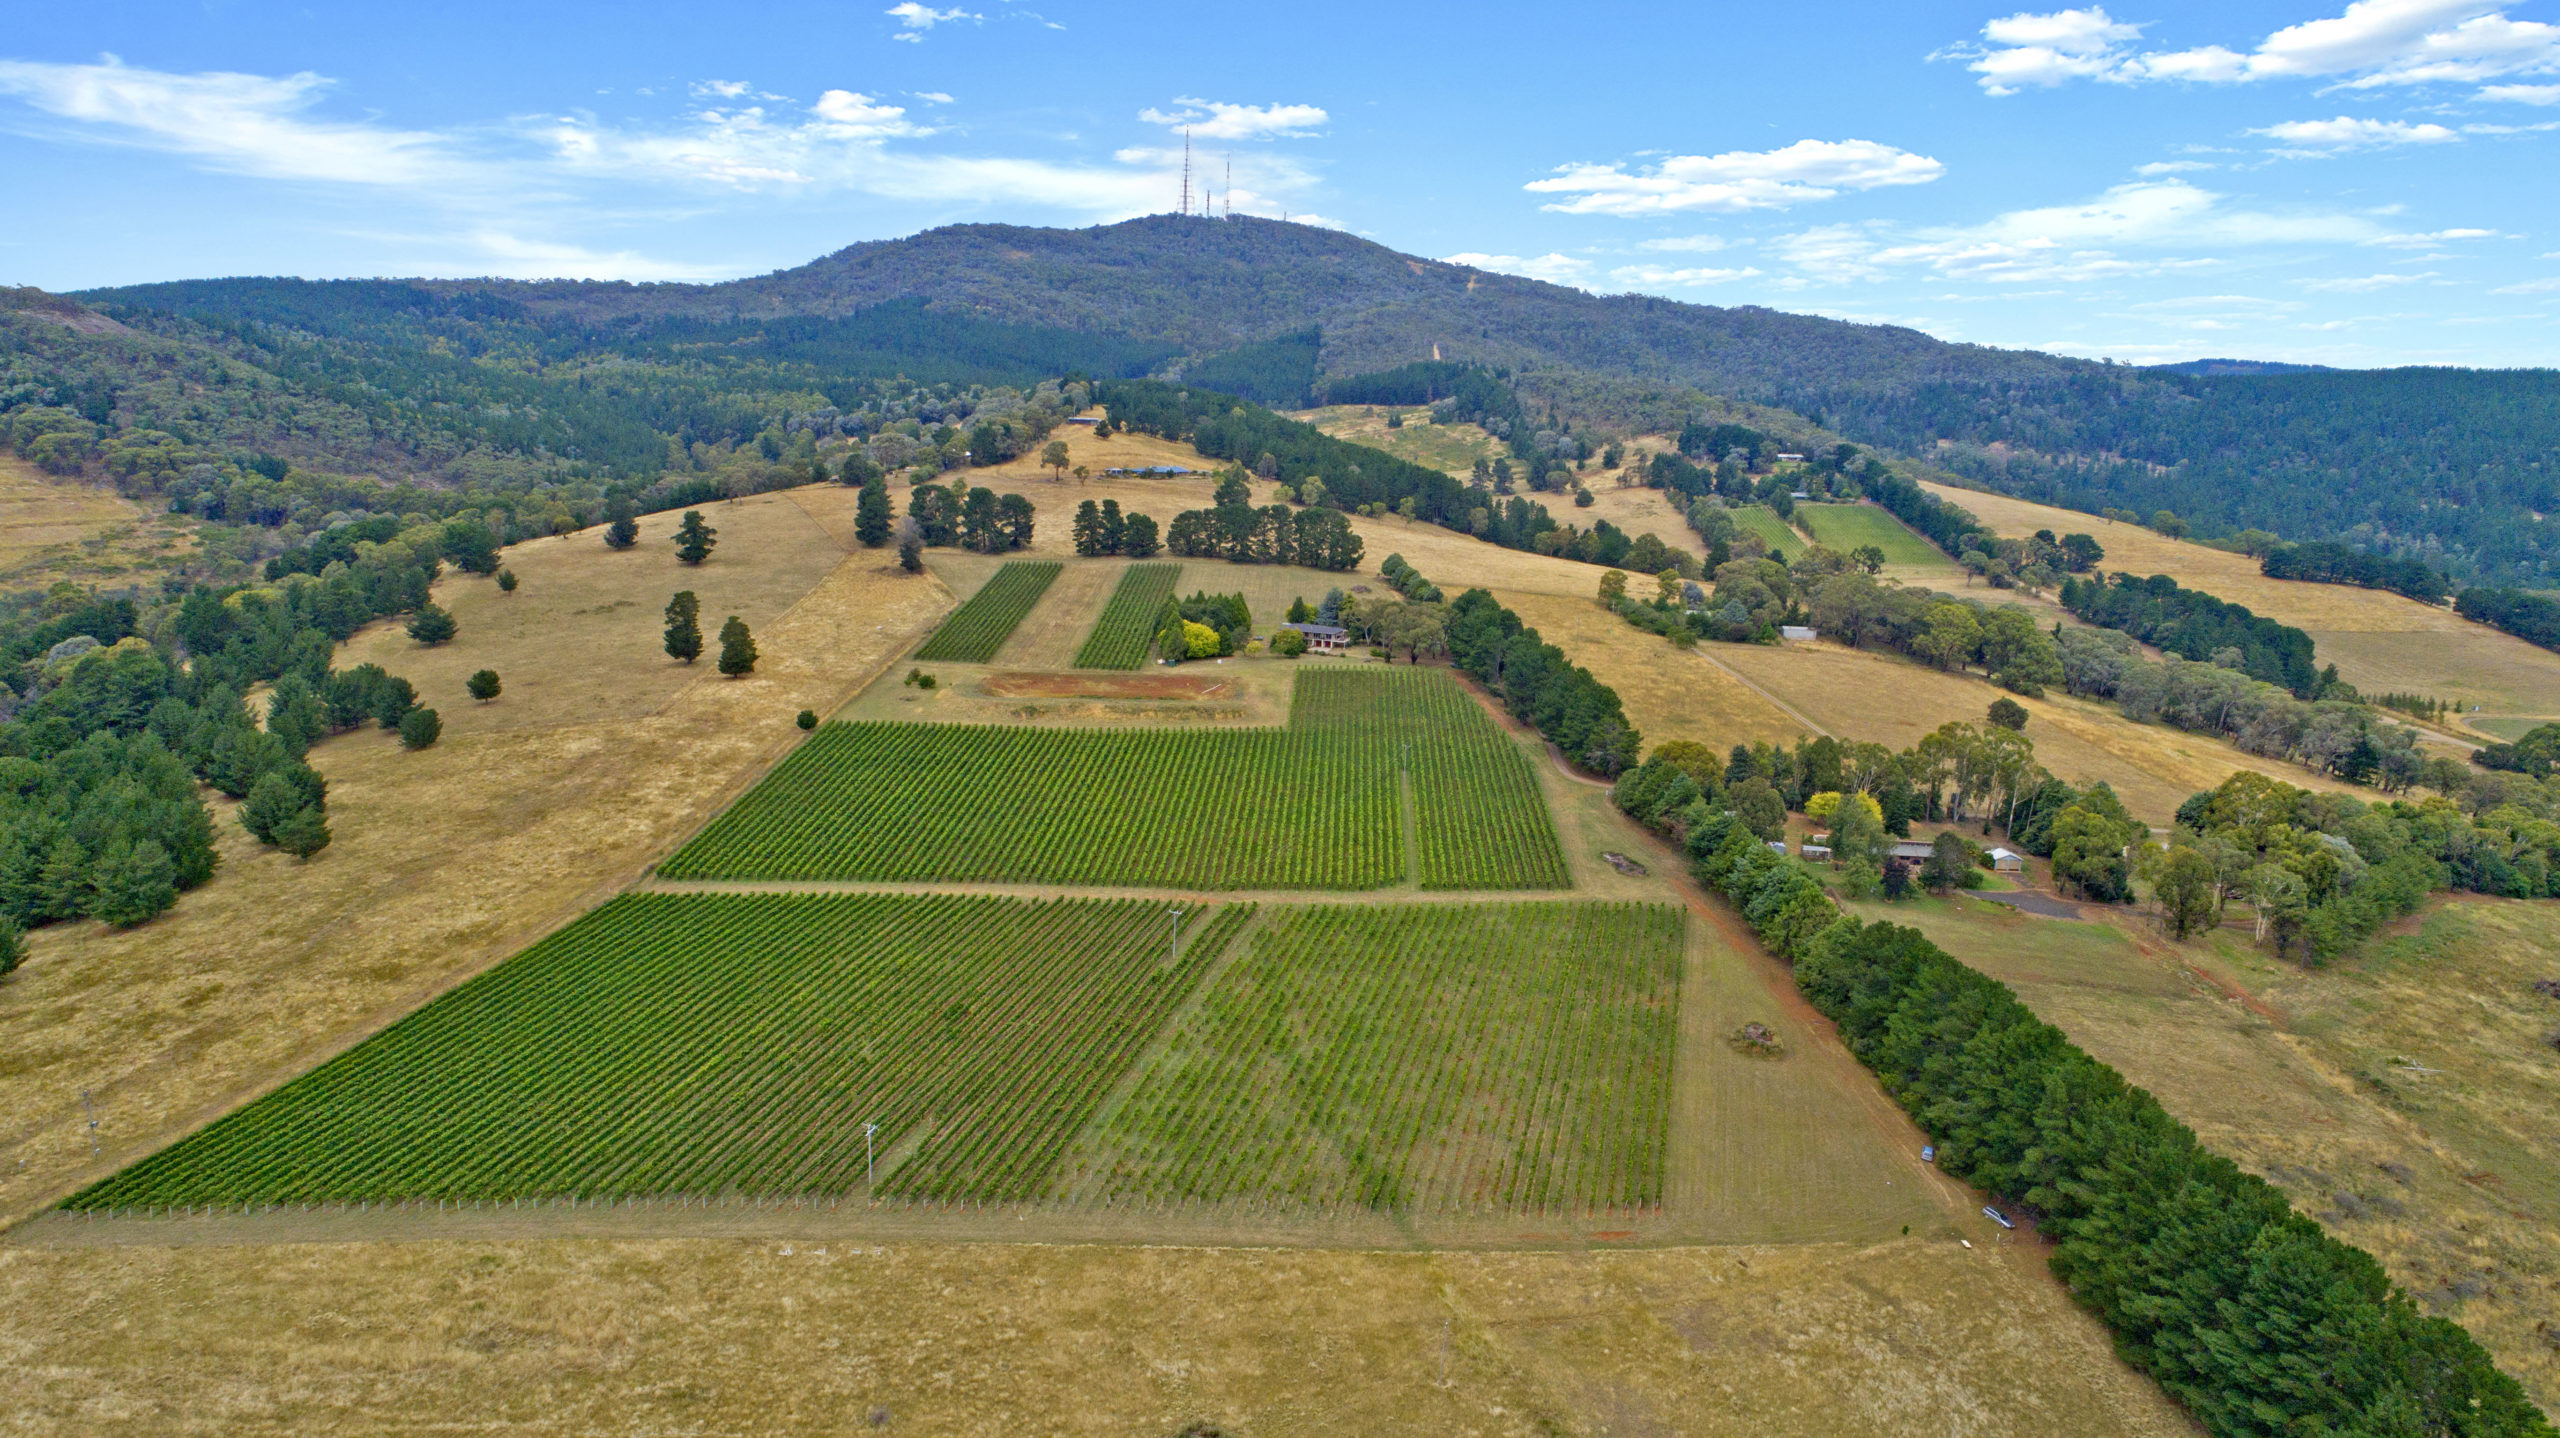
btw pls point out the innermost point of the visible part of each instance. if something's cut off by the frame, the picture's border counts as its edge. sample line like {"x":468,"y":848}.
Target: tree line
{"x":2194,"y":625}
{"x":1541,"y":687}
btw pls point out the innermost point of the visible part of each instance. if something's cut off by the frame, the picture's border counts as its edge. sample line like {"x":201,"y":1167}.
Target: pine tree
{"x":483,"y":685}
{"x":507,"y":581}
{"x":684,"y":627}
{"x":911,"y":555}
{"x":272,"y":800}
{"x":419,"y":728}
{"x":13,"y":945}
{"x":303,"y":834}
{"x":132,"y":883}
{"x":737,"y":649}
{"x":431,"y":625}
{"x":1115,"y":528}
{"x":694,"y":538}
{"x":871,"y":513}
{"x":623,"y":532}
{"x":295,"y":715}
{"x":1087,"y":530}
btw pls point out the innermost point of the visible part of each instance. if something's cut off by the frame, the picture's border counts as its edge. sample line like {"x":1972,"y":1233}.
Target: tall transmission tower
{"x":1186,"y":169}
{"x":1231,"y":187}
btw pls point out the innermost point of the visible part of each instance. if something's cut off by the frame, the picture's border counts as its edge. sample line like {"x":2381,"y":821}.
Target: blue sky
{"x":2355,"y":184}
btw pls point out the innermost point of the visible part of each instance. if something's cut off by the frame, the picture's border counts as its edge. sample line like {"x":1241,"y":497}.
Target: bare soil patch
{"x":1107,"y":686}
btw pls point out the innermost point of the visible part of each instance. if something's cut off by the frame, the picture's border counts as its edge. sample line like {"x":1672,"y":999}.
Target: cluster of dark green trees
{"x":2529,"y":616}
{"x":970,"y":517}
{"x":2194,"y":625}
{"x":1103,"y":530}
{"x":1408,"y":581}
{"x":1541,"y":687}
{"x":1205,"y":626}
{"x":2327,"y":562}
{"x":1316,"y":537}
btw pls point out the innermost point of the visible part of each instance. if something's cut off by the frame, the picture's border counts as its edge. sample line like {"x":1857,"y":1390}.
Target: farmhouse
{"x":1149,"y":471}
{"x":1087,"y":420}
{"x":1913,"y":849}
{"x":1326,"y":637}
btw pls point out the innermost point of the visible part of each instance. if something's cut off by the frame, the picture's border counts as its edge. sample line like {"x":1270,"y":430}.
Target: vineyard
{"x":1128,"y":623}
{"x":977,"y":629}
{"x":1315,"y":805}
{"x":727,"y":1044}
{"x":1430,"y":1057}
{"x":1480,"y":820}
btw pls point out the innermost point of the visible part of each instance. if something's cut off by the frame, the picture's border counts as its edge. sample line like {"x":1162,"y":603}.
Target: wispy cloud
{"x":2372,"y":43}
{"x":241,"y":124}
{"x":1737,"y":180}
{"x":2299,"y":138}
{"x":2145,"y":228}
{"x":2523,"y":94}
{"x":916,"y":21}
{"x":1217,"y":120}
{"x":1557,"y":269}
{"x":2530,"y":287}
{"x":2173,"y":167}
{"x":2366,"y":284}
{"x":1679,"y":278}
{"x":1685,"y":244}
{"x":2430,"y":239}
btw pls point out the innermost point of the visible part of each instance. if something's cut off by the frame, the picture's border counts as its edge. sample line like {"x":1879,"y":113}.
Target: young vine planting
{"x":727,"y":1044}
{"x":1427,"y":1057}
{"x":977,"y":629}
{"x":1128,"y":624}
{"x":1315,"y":805}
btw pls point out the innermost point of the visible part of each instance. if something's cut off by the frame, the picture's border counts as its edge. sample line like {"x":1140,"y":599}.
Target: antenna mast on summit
{"x":1186,"y":169}
{"x":1231,"y":187}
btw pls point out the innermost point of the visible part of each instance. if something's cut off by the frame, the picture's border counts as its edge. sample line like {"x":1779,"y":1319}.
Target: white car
{"x":1996,"y":1216}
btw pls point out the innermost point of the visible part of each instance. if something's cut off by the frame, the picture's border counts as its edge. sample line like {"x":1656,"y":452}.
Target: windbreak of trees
{"x":1577,"y":713}
{"x":2532,"y":617}
{"x":2194,"y":625}
{"x":1945,"y":525}
{"x":2325,"y":562}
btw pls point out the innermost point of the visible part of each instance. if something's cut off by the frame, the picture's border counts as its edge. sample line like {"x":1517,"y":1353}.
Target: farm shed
{"x":1811,"y":850}
{"x":2004,"y":862}
{"x":1322,"y":636}
{"x":1795,"y":631}
{"x":1913,"y":849}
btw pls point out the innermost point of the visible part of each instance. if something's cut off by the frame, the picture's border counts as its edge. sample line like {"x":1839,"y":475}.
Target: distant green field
{"x":977,"y":629}
{"x":1429,"y":1057}
{"x":1761,"y":520}
{"x":1844,"y":527}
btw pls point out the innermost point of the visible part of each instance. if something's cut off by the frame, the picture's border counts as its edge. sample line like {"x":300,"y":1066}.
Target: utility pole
{"x":93,"y":1122}
{"x":1231,"y":187}
{"x":1186,"y":169}
{"x":869,"y":1182}
{"x":1176,"y":960}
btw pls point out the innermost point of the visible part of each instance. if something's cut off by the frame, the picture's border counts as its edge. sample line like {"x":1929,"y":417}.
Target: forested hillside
{"x":447,"y":377}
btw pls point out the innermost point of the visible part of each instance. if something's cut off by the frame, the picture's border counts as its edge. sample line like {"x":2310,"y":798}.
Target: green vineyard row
{"x":1314,"y":805}
{"x":977,"y":629}
{"x":1505,"y":1056}
{"x":1128,"y":624}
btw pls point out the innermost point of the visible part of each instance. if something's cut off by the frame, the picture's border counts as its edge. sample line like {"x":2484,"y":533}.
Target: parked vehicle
{"x":1996,"y":1216}
{"x":1929,"y":1154}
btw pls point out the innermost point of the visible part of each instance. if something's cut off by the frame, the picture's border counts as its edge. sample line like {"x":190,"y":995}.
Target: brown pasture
{"x":2380,"y":642}
{"x":54,"y":529}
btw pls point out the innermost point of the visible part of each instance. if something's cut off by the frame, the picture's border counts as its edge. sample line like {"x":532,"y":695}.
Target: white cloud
{"x":2173,"y":167}
{"x":1737,"y":180}
{"x":1685,"y":244}
{"x":2366,"y":284}
{"x":2523,"y":94}
{"x":2332,"y":137}
{"x":1553,"y":268}
{"x":1665,"y":275}
{"x":243,"y":124}
{"x":933,"y":97}
{"x":2428,"y":240}
{"x":2530,"y":287}
{"x":1214,"y":120}
{"x":2068,"y":243}
{"x":915,"y":20}
{"x":2371,"y":43}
